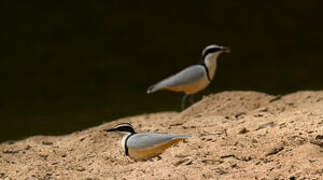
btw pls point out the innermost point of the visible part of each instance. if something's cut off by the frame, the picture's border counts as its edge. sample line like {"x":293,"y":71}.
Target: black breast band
{"x":207,"y":71}
{"x":125,"y":144}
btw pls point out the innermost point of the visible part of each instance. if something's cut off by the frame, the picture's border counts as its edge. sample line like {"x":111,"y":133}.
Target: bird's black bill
{"x":109,"y":130}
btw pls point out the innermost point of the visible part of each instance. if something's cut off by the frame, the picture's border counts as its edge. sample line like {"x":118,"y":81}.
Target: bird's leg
{"x":192,"y":99}
{"x":183,"y":101}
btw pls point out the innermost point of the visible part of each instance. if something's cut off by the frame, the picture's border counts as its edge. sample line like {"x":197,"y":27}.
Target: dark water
{"x":67,"y":66}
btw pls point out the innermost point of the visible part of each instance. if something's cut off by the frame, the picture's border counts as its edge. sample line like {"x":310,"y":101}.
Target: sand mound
{"x":242,"y":135}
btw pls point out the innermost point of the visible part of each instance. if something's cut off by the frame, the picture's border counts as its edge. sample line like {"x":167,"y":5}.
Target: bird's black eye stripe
{"x":209,"y":51}
{"x":126,"y":129}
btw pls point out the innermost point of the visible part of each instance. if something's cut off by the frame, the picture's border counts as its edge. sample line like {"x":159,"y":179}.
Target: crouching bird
{"x":144,"y":146}
{"x":193,"y":78}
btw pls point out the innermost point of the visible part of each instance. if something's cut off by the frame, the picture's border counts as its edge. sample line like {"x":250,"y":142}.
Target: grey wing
{"x":145,"y":140}
{"x":186,"y":76}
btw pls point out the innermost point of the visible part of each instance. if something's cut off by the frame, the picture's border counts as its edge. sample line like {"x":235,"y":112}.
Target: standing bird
{"x":144,"y":146}
{"x":193,"y":78}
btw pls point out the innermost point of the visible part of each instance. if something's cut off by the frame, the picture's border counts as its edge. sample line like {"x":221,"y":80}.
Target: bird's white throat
{"x":211,"y":63}
{"x":122,"y":141}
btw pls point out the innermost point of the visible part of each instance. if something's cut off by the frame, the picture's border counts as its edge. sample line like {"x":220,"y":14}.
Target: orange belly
{"x":144,"y":154}
{"x":190,"y":88}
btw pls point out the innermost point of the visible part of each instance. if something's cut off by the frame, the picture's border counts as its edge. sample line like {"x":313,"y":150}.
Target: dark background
{"x":70,"y":65}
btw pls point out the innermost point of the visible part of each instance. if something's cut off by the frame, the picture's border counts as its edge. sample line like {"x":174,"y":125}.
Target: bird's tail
{"x":152,"y":89}
{"x":156,"y":87}
{"x":184,"y":136}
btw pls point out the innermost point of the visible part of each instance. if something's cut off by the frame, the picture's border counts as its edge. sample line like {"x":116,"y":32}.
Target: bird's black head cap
{"x":213,"y":49}
{"x":123,"y":127}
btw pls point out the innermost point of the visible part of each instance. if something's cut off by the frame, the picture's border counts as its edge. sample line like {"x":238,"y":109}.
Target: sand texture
{"x":236,"y":135}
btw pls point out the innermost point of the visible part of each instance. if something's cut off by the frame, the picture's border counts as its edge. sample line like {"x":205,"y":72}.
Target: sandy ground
{"x":237,"y":135}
